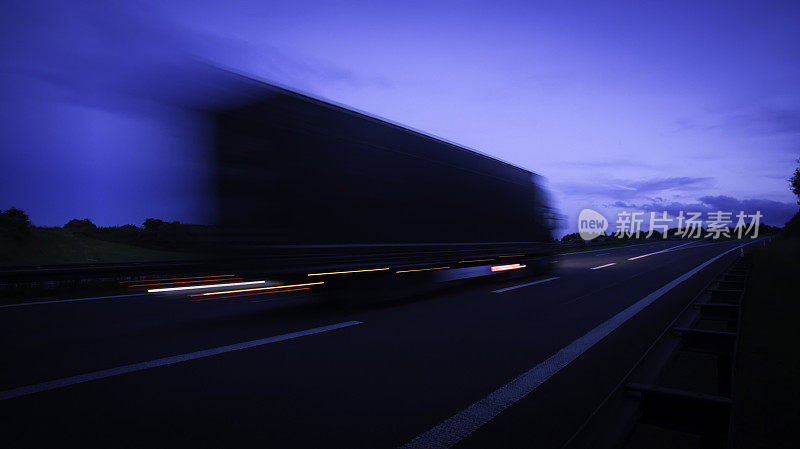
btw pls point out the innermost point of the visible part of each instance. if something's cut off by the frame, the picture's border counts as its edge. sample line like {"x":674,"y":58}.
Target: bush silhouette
{"x":84,"y":226}
{"x":166,"y":234}
{"x":153,"y":224}
{"x":15,"y":223}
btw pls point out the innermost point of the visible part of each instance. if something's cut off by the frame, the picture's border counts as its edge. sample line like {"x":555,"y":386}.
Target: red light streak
{"x":178,"y":279}
{"x":199,"y":282}
{"x":513,"y":266}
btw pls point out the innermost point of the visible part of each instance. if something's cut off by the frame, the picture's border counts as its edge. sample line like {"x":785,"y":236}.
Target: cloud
{"x":758,"y":121}
{"x":775,"y":213}
{"x":633,"y":189}
{"x":119,"y":57}
{"x":298,"y":72}
{"x":673,"y":183}
{"x":767,"y":120}
{"x":618,"y":163}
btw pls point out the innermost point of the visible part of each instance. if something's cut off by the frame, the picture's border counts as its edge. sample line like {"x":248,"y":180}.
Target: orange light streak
{"x":422,"y":269}
{"x":349,"y":271}
{"x":274,"y":287}
{"x":251,"y":294}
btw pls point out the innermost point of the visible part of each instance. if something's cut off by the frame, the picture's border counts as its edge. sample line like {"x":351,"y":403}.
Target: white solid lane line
{"x":603,"y":266}
{"x":67,"y":381}
{"x":451,"y":431}
{"x":662,"y":251}
{"x":56,"y":301}
{"x":524,"y":285}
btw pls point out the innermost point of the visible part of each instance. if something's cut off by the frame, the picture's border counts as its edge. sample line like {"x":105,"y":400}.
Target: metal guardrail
{"x":703,"y":414}
{"x":689,"y":411}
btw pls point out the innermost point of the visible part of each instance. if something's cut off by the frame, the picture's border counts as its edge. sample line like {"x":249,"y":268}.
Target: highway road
{"x":506,"y":364}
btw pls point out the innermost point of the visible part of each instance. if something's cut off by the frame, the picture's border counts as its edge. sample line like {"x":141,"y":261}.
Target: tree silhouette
{"x":795,"y":180}
{"x":152,"y":224}
{"x":84,"y":226}
{"x":15,"y":223}
{"x":792,"y":227}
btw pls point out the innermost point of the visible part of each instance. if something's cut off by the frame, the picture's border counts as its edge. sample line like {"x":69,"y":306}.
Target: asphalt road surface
{"x":507,"y":364}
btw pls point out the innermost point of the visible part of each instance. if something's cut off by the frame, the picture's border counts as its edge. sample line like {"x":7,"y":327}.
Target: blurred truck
{"x":307,"y":188}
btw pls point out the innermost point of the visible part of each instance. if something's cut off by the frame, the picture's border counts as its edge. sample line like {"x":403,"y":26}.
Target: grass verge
{"x":767,"y":374}
{"x":57,"y":246}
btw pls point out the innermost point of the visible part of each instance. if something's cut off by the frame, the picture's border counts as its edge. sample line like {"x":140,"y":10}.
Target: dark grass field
{"x":57,"y":246}
{"x":767,"y":374}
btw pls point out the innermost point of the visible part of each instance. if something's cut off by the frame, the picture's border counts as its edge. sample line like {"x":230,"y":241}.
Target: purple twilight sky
{"x":636,"y":105}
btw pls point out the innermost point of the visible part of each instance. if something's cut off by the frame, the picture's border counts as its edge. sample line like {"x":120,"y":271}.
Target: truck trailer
{"x":306,"y":188}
